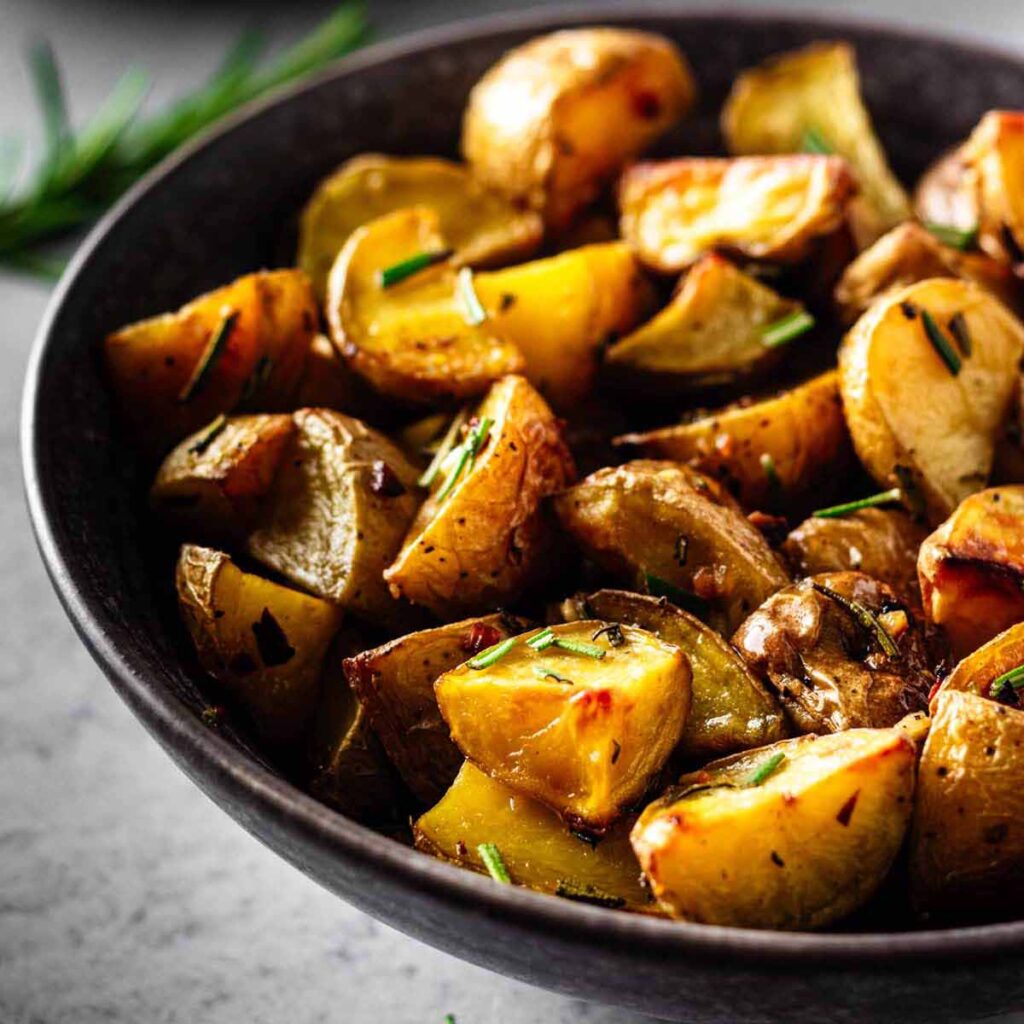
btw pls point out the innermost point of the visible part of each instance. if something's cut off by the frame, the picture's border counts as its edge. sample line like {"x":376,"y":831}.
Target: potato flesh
{"x":770,"y":208}
{"x":967,"y":843}
{"x":805,"y":847}
{"x":489,"y":538}
{"x":482,"y":227}
{"x":587,"y":747}
{"x":887,"y":363}
{"x":413,"y":340}
{"x":535,"y":844}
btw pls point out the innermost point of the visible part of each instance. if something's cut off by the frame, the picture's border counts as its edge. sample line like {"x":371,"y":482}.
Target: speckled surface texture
{"x":125,"y":895}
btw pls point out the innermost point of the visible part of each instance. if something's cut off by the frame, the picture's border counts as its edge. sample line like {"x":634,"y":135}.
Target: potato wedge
{"x":777,"y":453}
{"x":711,"y":333}
{"x":815,"y":92}
{"x":243,"y":345}
{"x":668,"y":524}
{"x":536,"y":846}
{"x":413,"y":340}
{"x":581,"y":723}
{"x":981,"y":668}
{"x":971,"y":568}
{"x":841,"y":651}
{"x":770,"y":208}
{"x":554,"y":120}
{"x":947,"y":195}
{"x":967,"y":842}
{"x":395,"y":684}
{"x":793,"y":836}
{"x":941,"y":450}
{"x":336,"y":515}
{"x":264,"y":643}
{"x":328,"y":383}
{"x":483,"y":536}
{"x":483,"y":228}
{"x":730,"y":709}
{"x":210,"y":485}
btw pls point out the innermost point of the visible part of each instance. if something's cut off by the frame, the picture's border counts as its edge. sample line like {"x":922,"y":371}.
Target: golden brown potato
{"x":971,"y":568}
{"x":768,"y":208}
{"x":776,"y":453}
{"x":983,"y":667}
{"x":336,"y":515}
{"x":730,"y":709}
{"x":264,"y":643}
{"x":537,"y":848}
{"x":967,"y":843}
{"x":914,"y":343}
{"x":879,"y":542}
{"x":209,"y":486}
{"x":416,"y":339}
{"x":556,"y":118}
{"x":842,"y":652}
{"x":711,"y":333}
{"x":240,"y":346}
{"x":796,"y":835}
{"x":483,"y":536}
{"x":947,"y":195}
{"x":395,"y":684}
{"x":328,"y":383}
{"x":483,"y":228}
{"x":667,"y":524}
{"x":582,"y":721}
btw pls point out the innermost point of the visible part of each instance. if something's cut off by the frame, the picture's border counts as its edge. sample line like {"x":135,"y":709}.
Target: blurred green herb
{"x":82,"y":172}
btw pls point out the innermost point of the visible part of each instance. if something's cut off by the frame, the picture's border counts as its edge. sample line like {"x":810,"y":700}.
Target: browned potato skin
{"x":490,"y":538}
{"x":395,"y":684}
{"x":967,"y":840}
{"x":149,"y":363}
{"x":629,"y":520}
{"x":803,"y":642}
{"x":976,"y":673}
{"x":971,"y":568}
{"x":585,"y":102}
{"x":879,"y":542}
{"x":209,"y":489}
{"x":947,"y":194}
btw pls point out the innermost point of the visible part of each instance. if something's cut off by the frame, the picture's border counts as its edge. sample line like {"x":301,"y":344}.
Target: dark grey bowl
{"x":219,"y":209}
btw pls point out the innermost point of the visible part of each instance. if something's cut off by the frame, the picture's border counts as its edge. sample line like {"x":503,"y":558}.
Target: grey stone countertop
{"x":125,"y":895}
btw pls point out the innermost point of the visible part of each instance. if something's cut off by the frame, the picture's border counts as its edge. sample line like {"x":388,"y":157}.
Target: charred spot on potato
{"x":272,"y":641}
{"x":846,"y":811}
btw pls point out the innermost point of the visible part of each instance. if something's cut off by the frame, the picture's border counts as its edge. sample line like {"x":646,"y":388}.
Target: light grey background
{"x":125,"y":896}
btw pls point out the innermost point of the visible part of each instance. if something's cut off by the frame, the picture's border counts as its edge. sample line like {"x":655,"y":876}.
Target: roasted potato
{"x":779,"y":452}
{"x":971,"y":568}
{"x":240,"y":346}
{"x":483,"y":536}
{"x":879,"y":542}
{"x":483,"y":228}
{"x":955,"y":343}
{"x":263,"y":642}
{"x":730,"y":709}
{"x":536,"y":846}
{"x":842,"y":652}
{"x":947,"y":195}
{"x":582,"y":721}
{"x":977,"y":672}
{"x":967,"y":841}
{"x":767,"y":208}
{"x":335,"y":517}
{"x":815,"y":93}
{"x":416,"y":339}
{"x":210,"y":485}
{"x":793,"y":836}
{"x":328,"y":383}
{"x":711,"y":333}
{"x":556,"y":118}
{"x":665,"y":523}
{"x":395,"y":684}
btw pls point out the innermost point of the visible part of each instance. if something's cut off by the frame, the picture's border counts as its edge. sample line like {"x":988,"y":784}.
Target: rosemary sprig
{"x":1012,"y":680}
{"x":938,"y":340}
{"x":587,"y":894}
{"x":209,"y":435}
{"x":837,"y":511}
{"x":543,"y":640}
{"x":210,"y":357}
{"x":487,"y":658}
{"x":785,"y":330}
{"x":768,"y":767}
{"x":399,"y":271}
{"x":445,"y":448}
{"x":814,"y":142}
{"x":543,"y":672}
{"x":580,"y":647}
{"x":864,"y":616}
{"x":957,"y":325}
{"x":956,"y":238}
{"x":467,"y":456}
{"x":491,"y":856}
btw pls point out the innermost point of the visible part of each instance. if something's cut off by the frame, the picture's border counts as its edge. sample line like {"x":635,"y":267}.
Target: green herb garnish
{"x":958,"y":328}
{"x":412,"y":265}
{"x":587,"y":894}
{"x":785,"y":330}
{"x":488,"y":657}
{"x":657,"y":587}
{"x":208,"y":360}
{"x":449,"y":1018}
{"x":258,"y":377}
{"x":474,"y":441}
{"x":542,"y":640}
{"x":940,"y":343}
{"x":1012,"y":680}
{"x":580,"y":647}
{"x":813,"y":141}
{"x":543,"y":672}
{"x":867,"y":619}
{"x":768,"y":465}
{"x":765,"y":769}
{"x":209,"y":435}
{"x":444,"y":449}
{"x":837,"y":511}
{"x":473,"y":311}
{"x":491,"y":856}
{"x":956,"y":238}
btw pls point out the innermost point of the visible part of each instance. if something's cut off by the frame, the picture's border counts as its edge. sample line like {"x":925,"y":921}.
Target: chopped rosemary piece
{"x":955,"y":238}
{"x":768,"y":465}
{"x":487,"y":658}
{"x":867,"y":619}
{"x":467,"y":456}
{"x":449,"y":1018}
{"x":543,"y":672}
{"x":580,"y":647}
{"x":765,"y":769}
{"x":814,"y":142}
{"x":208,"y":360}
{"x":587,"y":894}
{"x":491,"y":856}
{"x":614,"y":633}
{"x":657,"y":587}
{"x":447,"y":444}
{"x":940,"y":343}
{"x":412,"y":265}
{"x":542,"y":640}
{"x":258,"y":377}
{"x":209,"y":435}
{"x":958,"y":328}
{"x":472,"y":309}
{"x":1012,"y":680}
{"x":785,"y":330}
{"x":836,"y":511}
